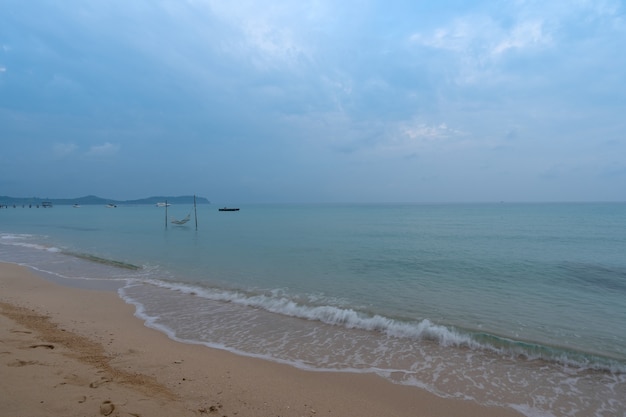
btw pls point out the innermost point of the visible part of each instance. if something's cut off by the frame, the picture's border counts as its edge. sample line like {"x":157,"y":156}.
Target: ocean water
{"x":518,"y":305}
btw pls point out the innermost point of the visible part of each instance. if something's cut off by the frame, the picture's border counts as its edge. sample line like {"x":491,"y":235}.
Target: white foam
{"x":277,"y":302}
{"x":17,"y":240}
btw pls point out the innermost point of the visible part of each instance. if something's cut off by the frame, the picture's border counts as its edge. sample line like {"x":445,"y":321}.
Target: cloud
{"x":317,"y":84}
{"x":456,"y":36}
{"x":422,"y":132}
{"x":407,"y":138}
{"x":61,"y":150}
{"x":275,"y":46}
{"x":269,"y":36}
{"x":524,"y":35}
{"x":480,"y":39}
{"x":490,"y":47}
{"x":106,"y":149}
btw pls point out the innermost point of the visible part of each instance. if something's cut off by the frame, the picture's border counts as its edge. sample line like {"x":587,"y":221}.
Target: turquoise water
{"x":521,"y":305}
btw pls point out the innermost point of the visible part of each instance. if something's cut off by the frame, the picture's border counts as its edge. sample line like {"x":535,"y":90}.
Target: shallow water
{"x":522,"y":305}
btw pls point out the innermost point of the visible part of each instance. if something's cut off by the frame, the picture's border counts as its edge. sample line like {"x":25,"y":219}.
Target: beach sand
{"x":67,"y":351}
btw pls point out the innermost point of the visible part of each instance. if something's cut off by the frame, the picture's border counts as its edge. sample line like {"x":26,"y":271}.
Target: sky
{"x":321,"y":101}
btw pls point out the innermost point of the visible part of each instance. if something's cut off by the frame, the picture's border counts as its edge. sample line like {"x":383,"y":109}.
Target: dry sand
{"x":78,"y":352}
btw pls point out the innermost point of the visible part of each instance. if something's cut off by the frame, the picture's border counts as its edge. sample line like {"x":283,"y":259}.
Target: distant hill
{"x":94,"y":200}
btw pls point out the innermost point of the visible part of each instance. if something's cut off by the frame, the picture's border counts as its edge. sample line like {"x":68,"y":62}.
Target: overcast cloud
{"x":314,"y":101}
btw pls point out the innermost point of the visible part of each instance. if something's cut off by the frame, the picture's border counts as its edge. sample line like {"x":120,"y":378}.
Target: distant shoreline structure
{"x":95,"y":200}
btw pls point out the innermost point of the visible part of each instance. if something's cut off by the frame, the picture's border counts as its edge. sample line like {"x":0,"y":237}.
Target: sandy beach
{"x":81,"y":352}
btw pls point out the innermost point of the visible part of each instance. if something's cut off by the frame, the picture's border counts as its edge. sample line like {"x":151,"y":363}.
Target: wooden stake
{"x":195,"y":211}
{"x":166,"y":214}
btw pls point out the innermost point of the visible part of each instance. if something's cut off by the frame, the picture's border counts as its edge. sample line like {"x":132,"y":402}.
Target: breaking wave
{"x":425,"y":330}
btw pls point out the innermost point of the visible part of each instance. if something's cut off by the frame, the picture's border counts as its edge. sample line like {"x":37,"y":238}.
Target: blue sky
{"x":314,"y":101}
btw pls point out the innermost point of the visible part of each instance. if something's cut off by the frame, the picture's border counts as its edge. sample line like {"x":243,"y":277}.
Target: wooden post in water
{"x":195,"y":212}
{"x":166,"y":214}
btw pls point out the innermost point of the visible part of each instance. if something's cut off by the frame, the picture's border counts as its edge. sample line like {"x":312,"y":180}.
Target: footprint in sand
{"x":19,"y":362}
{"x":106,"y":408}
{"x":96,"y":384}
{"x":43,"y":345}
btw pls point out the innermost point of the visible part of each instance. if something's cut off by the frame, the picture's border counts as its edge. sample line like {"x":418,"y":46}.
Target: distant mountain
{"x":94,"y":200}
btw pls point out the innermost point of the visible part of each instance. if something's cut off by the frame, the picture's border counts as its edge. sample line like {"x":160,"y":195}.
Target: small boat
{"x":228,"y":209}
{"x":76,"y":206}
{"x":45,"y":204}
{"x":163,"y":204}
{"x":110,"y":205}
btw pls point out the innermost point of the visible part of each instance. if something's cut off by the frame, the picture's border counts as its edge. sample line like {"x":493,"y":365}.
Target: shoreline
{"x":82,"y":352}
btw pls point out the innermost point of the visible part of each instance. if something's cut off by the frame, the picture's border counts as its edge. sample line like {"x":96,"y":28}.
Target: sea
{"x":519,"y":305}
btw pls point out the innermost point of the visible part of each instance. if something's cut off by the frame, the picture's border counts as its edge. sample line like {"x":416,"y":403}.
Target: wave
{"x":105,"y":261}
{"x":18,"y":240}
{"x":22,"y":240}
{"x":423,"y":330}
{"x":330,"y":313}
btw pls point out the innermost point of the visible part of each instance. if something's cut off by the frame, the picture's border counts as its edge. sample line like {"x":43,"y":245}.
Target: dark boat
{"x":228,"y":209}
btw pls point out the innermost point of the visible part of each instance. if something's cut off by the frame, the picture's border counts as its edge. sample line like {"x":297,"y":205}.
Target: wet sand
{"x":81,"y":352}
